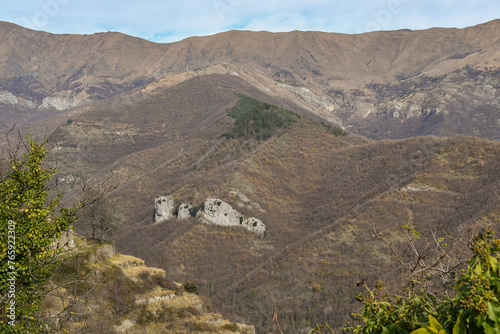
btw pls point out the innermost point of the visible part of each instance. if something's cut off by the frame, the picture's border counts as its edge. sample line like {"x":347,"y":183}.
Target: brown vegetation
{"x":319,"y":196}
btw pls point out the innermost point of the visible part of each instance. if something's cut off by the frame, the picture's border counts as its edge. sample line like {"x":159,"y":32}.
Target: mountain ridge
{"x":338,"y":77}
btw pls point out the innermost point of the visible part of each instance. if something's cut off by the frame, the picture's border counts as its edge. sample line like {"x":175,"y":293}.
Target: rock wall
{"x":184,"y":211}
{"x":254,"y":225}
{"x":164,"y":208}
{"x":215,"y":211}
{"x":8,"y":98}
{"x":60,"y":103}
{"x":409,"y":110}
{"x":218,"y":212}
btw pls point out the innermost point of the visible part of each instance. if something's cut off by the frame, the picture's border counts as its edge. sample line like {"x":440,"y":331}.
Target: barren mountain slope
{"x":339,"y":77}
{"x":321,"y":205}
{"x":35,"y":64}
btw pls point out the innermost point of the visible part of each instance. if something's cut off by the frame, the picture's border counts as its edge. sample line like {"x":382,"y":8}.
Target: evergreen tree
{"x":30,"y":221}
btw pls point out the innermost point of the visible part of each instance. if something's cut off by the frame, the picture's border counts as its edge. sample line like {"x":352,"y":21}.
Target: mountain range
{"x":391,"y":84}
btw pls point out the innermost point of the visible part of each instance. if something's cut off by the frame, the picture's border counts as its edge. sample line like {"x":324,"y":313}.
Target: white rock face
{"x":408,"y":110}
{"x":60,"y":103}
{"x":8,"y":98}
{"x":399,"y":106}
{"x":415,"y":110}
{"x":218,"y":212}
{"x":183,"y":211}
{"x":164,"y":208}
{"x":254,"y":225}
{"x":155,"y":299}
{"x":124,"y":326}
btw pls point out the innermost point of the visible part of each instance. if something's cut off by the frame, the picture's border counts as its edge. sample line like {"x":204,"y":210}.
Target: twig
{"x":275,"y":316}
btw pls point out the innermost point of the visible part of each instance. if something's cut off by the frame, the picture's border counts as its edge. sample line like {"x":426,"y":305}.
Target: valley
{"x":383,"y":129}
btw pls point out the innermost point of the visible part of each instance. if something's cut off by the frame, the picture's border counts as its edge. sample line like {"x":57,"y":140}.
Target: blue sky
{"x":169,"y":21}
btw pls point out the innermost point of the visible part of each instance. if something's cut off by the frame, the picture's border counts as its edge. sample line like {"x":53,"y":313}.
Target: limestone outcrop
{"x":8,"y":98}
{"x":184,"y":211}
{"x":164,"y":208}
{"x":254,"y":225}
{"x":149,"y":296}
{"x":60,"y":102}
{"x":214,"y":211}
{"x":408,"y":109}
{"x":217,"y":212}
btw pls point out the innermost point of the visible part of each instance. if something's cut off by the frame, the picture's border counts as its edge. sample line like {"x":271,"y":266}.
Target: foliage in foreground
{"x":472,"y":308}
{"x":30,"y":221}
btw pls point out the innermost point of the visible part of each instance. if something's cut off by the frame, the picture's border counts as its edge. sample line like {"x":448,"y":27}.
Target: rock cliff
{"x":8,"y":98}
{"x":66,"y":240}
{"x":184,"y":211}
{"x":214,"y":211}
{"x":164,"y":208}
{"x":60,"y":103}
{"x":218,"y":212}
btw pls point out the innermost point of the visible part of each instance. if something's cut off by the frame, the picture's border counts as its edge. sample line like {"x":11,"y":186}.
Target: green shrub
{"x":257,"y":119}
{"x":473,"y":308}
{"x":230,"y":327}
{"x":336,"y":131}
{"x":190,"y":288}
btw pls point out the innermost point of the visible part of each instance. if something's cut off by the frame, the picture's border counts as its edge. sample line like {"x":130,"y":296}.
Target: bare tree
{"x":435,"y":261}
{"x":97,"y":215}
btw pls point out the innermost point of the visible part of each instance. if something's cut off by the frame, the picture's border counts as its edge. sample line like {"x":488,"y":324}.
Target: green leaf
{"x":459,"y":327}
{"x":493,"y":262}
{"x":493,"y":312}
{"x":421,"y":331}
{"x":489,"y":329}
{"x":434,"y":324}
{"x":480,"y":319}
{"x":385,"y":330}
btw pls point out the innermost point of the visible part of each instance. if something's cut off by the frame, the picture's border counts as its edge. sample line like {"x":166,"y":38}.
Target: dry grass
{"x":120,"y":294}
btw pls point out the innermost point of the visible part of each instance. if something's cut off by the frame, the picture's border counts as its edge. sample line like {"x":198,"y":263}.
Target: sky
{"x":170,"y":21}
